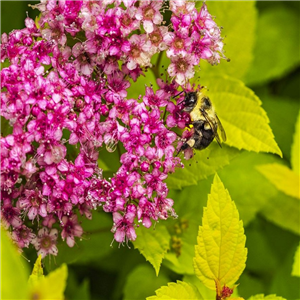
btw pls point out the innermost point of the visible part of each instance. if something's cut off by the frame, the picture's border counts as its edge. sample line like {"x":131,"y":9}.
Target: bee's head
{"x":190,"y":101}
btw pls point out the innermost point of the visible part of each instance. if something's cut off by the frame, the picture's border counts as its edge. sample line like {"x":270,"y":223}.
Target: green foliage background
{"x":262,"y":41}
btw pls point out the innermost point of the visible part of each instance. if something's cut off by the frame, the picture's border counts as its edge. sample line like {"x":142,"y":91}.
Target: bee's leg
{"x":188,"y":144}
{"x":182,"y":148}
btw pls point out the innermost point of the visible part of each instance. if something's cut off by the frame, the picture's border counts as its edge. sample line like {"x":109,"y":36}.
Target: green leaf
{"x":270,"y":248}
{"x":14,"y":271}
{"x":245,"y":122}
{"x":281,"y":110}
{"x":250,"y":189}
{"x":91,"y":247}
{"x":51,"y":286}
{"x":18,"y":10}
{"x":283,"y":211}
{"x":137,"y":287}
{"x":109,"y":161}
{"x":282,"y":282}
{"x":238,"y":20}
{"x":6,"y":128}
{"x":296,"y":264}
{"x":183,"y":263}
{"x":263,"y":297}
{"x":83,"y":291}
{"x":179,"y":290}
{"x":205,"y":162}
{"x":296,"y":149}
{"x":76,"y":291}
{"x":189,"y":207}
{"x":153,"y":243}
{"x":220,"y":253}
{"x":275,"y":52}
{"x":282,"y":177}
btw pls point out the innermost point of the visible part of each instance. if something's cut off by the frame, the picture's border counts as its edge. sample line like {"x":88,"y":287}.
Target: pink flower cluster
{"x":64,"y":95}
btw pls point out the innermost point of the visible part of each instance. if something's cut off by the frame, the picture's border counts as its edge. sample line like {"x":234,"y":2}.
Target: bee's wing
{"x":220,"y":126}
{"x":218,"y":138}
{"x":212,"y":126}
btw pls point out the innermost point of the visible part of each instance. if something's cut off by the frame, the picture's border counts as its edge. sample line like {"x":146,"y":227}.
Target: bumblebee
{"x":204,"y":122}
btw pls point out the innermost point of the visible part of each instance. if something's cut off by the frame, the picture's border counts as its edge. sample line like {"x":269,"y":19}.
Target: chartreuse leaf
{"x":220,"y":253}
{"x":205,"y":292}
{"x":179,"y":290}
{"x":205,"y":162}
{"x":282,"y":177}
{"x":14,"y":271}
{"x":272,"y":62}
{"x":296,"y":264}
{"x":245,"y":122}
{"x":296,"y":149}
{"x":238,"y":20}
{"x":137,"y":88}
{"x":37,"y":272}
{"x":263,"y":297}
{"x":51,"y":286}
{"x":153,"y":244}
{"x":181,"y":178}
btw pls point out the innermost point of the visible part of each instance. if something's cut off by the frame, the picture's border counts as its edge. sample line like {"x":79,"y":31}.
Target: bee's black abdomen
{"x":203,"y":137}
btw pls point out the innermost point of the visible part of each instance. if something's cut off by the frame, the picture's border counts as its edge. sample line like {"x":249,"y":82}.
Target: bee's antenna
{"x":179,"y":94}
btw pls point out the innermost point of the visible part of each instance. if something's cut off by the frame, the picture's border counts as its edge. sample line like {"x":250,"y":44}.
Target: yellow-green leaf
{"x":220,"y":253}
{"x":153,"y":243}
{"x":51,"y":286}
{"x":296,"y":149}
{"x":282,"y":177}
{"x":263,"y":297}
{"x":179,"y":290}
{"x":238,"y":22}
{"x":245,"y":122}
{"x":37,"y":272}
{"x":296,"y":264}
{"x":14,"y":271}
{"x":205,"y":163}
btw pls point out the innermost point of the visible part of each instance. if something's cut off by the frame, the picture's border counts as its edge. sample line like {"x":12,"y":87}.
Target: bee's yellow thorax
{"x":195,"y":113}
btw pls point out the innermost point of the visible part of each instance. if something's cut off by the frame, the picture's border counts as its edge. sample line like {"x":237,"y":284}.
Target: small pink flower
{"x":33,"y":204}
{"x":10,"y":216}
{"x":71,"y":228}
{"x":23,"y":236}
{"x":148,"y":13}
{"x":182,"y":68}
{"x":123,"y":225}
{"x":140,"y":52}
{"x":45,"y":242}
{"x":82,"y":62}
